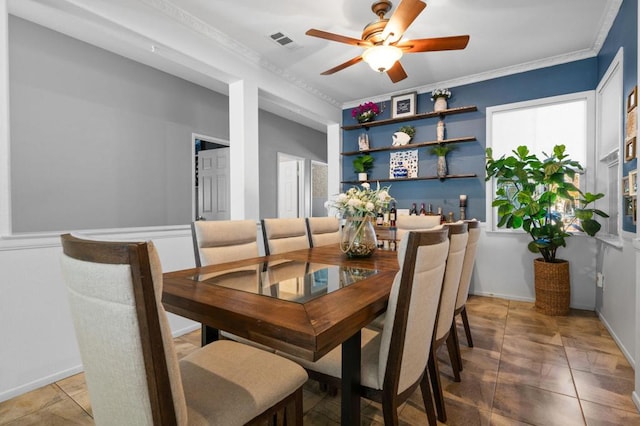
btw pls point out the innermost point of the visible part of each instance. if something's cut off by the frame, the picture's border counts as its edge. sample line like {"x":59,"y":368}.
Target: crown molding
{"x":484,"y":76}
{"x":234,"y":47}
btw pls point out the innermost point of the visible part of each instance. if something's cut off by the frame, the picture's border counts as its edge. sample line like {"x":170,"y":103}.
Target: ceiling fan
{"x":383,"y":42}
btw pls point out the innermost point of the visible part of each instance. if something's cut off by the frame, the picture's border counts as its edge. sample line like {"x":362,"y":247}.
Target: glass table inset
{"x":287,"y":279}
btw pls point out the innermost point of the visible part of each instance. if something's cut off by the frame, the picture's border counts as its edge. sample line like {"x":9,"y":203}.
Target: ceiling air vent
{"x":283,"y":40}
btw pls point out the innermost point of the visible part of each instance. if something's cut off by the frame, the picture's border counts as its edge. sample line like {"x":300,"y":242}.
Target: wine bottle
{"x":379,"y":218}
{"x":423,"y":212}
{"x":442,"y":218}
{"x":414,"y":210}
{"x":392,"y":215}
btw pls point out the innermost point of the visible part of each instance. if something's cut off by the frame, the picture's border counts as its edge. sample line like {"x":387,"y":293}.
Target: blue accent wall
{"x":623,"y":33}
{"x":469,"y":157}
{"x":556,"y":80}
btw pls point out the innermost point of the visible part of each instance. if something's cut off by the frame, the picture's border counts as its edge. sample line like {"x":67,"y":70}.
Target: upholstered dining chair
{"x":458,"y":236}
{"x":131,"y":368}
{"x":406,"y":223}
{"x":465,"y":283}
{"x":323,"y":231}
{"x":394,"y":359}
{"x":221,"y":241}
{"x":282,"y":235}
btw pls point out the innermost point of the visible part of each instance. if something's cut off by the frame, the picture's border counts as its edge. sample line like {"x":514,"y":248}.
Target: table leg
{"x":208,"y":335}
{"x":350,"y":405}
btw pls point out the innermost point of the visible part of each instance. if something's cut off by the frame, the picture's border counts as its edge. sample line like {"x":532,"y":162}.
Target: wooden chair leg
{"x":452,"y":347}
{"x":436,"y":385}
{"x":390,"y":411}
{"x":467,"y":329}
{"x":427,"y":398}
{"x":454,"y":331}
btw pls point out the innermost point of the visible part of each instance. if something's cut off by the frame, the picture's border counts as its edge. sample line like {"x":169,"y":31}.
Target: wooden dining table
{"x":304,"y":303}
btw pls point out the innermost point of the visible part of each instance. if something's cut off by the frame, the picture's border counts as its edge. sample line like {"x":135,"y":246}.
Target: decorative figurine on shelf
{"x":439,"y":97}
{"x":403,"y":136}
{"x":363,"y":142}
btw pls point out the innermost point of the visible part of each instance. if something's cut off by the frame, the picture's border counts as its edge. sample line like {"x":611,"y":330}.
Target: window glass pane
{"x":541,"y":127}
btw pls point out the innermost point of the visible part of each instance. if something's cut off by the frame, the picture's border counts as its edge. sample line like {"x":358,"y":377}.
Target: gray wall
{"x":280,"y":135}
{"x":97,"y":140}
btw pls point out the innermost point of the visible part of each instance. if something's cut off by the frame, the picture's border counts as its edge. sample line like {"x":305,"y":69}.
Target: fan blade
{"x":434,"y":44}
{"x":343,"y":66}
{"x":397,"y":73}
{"x":406,"y":12}
{"x":339,"y":38}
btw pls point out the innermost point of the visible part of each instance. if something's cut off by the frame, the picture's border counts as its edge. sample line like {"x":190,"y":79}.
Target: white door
{"x":213,"y":184}
{"x":290,"y":186}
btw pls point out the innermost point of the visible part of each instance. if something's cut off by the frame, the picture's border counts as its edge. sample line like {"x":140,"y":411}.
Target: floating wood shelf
{"x":412,"y":145}
{"x":459,"y":176}
{"x":376,"y":123}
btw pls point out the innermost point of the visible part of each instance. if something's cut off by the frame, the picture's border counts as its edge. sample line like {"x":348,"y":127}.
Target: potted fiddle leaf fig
{"x":362,"y":164}
{"x":528,"y":191}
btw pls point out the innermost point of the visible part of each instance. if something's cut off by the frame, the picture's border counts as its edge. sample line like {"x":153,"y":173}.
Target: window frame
{"x":587,"y":181}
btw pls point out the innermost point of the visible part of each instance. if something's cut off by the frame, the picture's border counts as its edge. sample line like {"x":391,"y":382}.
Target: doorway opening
{"x":211,"y":178}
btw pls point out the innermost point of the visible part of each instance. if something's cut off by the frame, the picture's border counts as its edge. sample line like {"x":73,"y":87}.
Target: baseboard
{"x":527,"y":299}
{"x":185,"y":330}
{"x":43,"y":381}
{"x":623,"y":349}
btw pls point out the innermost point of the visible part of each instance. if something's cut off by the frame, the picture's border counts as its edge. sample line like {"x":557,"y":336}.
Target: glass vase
{"x":358,"y":237}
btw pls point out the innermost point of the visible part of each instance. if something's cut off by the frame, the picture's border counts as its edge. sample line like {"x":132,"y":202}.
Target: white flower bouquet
{"x":361,"y":202}
{"x":440,"y":93}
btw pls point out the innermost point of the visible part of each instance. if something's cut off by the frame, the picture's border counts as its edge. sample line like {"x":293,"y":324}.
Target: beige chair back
{"x":114,"y":293}
{"x":412,"y":308}
{"x":323,"y":231}
{"x":458,"y":236}
{"x":406,"y":223}
{"x":469,"y":261}
{"x":283,"y":235}
{"x":221,"y":241}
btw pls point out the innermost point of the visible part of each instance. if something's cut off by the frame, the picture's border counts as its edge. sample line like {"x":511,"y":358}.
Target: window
{"x":540,"y":125}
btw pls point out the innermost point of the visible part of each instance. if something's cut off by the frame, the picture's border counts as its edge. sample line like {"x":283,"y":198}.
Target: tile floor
{"x":525,"y":369}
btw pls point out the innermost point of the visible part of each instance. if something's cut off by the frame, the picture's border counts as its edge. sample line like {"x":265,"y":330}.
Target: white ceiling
{"x":506,"y":36}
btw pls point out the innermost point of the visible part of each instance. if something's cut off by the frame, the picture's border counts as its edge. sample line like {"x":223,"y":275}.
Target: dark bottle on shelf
{"x":414,"y":210}
{"x":392,"y":215}
{"x":423,"y":212}
{"x":379,"y":218}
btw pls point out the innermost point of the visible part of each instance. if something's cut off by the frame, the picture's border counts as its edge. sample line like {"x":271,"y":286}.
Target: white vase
{"x":362,"y":177}
{"x":440,"y":131}
{"x":440,"y":104}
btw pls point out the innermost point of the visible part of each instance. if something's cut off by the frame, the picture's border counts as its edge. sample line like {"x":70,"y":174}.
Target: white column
{"x":5,"y":163}
{"x":244,"y":155}
{"x":334,"y":162}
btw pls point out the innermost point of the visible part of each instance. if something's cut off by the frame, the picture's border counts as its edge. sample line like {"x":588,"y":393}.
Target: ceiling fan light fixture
{"x":382,"y":57}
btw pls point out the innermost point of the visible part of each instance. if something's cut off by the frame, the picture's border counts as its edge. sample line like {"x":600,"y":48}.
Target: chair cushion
{"x":228,"y":383}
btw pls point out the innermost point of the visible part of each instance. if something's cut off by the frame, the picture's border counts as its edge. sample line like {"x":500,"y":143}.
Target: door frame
{"x":194,"y":191}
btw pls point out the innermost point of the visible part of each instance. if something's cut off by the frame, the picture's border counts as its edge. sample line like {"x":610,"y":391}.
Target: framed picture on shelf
{"x":630,"y":149}
{"x":403,"y":105}
{"x":632,"y":99}
{"x":633,"y":182}
{"x":625,"y":186}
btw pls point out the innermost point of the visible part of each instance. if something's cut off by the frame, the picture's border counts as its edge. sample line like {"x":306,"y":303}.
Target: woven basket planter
{"x":552,"y":283}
